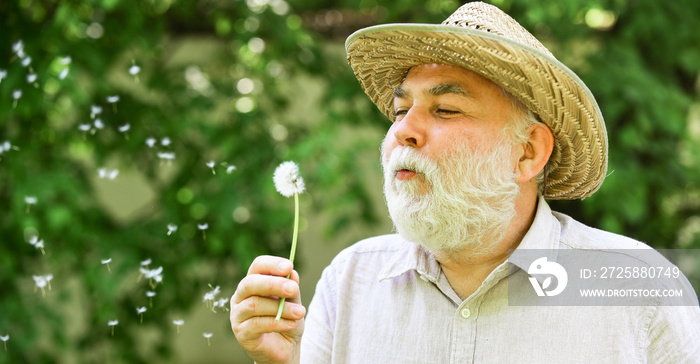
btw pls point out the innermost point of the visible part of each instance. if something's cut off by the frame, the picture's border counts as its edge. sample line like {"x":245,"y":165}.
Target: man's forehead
{"x":447,"y":79}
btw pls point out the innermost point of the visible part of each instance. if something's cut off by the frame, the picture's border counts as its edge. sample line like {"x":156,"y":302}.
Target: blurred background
{"x":138,"y":141}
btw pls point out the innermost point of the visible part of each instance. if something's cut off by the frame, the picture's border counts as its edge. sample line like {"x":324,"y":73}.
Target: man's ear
{"x":536,"y":152}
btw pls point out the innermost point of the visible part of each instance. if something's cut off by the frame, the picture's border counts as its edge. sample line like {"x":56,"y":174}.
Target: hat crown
{"x":491,"y":19}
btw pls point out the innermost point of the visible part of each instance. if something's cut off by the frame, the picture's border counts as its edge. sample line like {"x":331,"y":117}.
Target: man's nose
{"x":411,"y":130}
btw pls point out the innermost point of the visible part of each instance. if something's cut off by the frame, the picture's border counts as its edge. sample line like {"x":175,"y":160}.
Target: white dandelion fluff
{"x":26,"y":61}
{"x":29,"y":200}
{"x":146,"y":263}
{"x":112,"y":99}
{"x":3,"y":75}
{"x":112,"y":323}
{"x":66,"y":60}
{"x":134,"y":70}
{"x":177,"y":324}
{"x":124,"y":128}
{"x":31,"y":77}
{"x":95,"y":110}
{"x":208,"y":335}
{"x":106,"y":262}
{"x":151,"y":142}
{"x":287,"y":180}
{"x":140,"y":311}
{"x":63,"y":73}
{"x":99,"y":124}
{"x":171,"y":228}
{"x":165,"y":141}
{"x":230,"y":169}
{"x":84,"y":127}
{"x":4,"y":339}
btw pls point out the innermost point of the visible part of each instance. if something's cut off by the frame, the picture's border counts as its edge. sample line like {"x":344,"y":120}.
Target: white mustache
{"x":407,"y":158}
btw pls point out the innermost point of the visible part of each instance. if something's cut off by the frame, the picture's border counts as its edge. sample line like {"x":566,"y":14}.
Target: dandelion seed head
{"x":207,"y":335}
{"x":211,"y":164}
{"x":105,"y":261}
{"x":16,"y":94}
{"x":4,"y":337}
{"x":151,"y":142}
{"x":112,"y":99}
{"x":165,"y":141}
{"x":26,"y":61}
{"x":84,"y":127}
{"x":140,"y":310}
{"x":95,"y":110}
{"x":221,"y":302}
{"x":63,"y":73}
{"x":99,"y":124}
{"x":18,"y":46}
{"x":287,"y":180}
{"x":40,"y":281}
{"x":31,"y":77}
{"x":134,"y":70}
{"x":146,"y":262}
{"x":39,"y":244}
{"x":124,"y":128}
{"x":230,"y":169}
{"x":203,"y":226}
{"x":150,"y":294}
{"x":112,"y":322}
{"x":179,"y":322}
{"x":3,"y":75}
{"x":30,"y":200}
{"x":66,"y":60}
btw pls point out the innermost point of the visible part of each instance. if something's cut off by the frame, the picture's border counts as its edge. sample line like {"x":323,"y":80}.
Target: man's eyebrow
{"x":437,"y":90}
{"x":447,"y":88}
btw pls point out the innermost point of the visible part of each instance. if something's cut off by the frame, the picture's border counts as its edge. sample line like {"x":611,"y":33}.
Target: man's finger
{"x":266,"y":286}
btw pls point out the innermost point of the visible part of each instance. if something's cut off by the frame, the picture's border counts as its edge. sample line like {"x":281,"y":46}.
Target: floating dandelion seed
{"x":106,"y":173}
{"x":124,"y":128}
{"x":31,"y":77}
{"x":134,"y":71}
{"x":140,"y":311}
{"x":210,"y":296}
{"x":112,"y":323}
{"x":66,"y":60}
{"x":98,"y":124}
{"x":220,"y":303}
{"x":230,"y":169}
{"x":211,"y":165}
{"x":288,"y":182}
{"x":171,"y":228}
{"x":29,"y":200}
{"x":151,"y":142}
{"x":146,"y":263}
{"x":208,"y":335}
{"x":3,"y":75}
{"x":166,"y":156}
{"x":84,"y":127}
{"x":4,"y":339}
{"x":63,"y":74}
{"x":18,"y":48}
{"x":113,"y":100}
{"x":16,"y":95}
{"x":26,"y":61}
{"x":150,"y":295}
{"x":95,"y":110}
{"x":106,"y":262}
{"x":154,"y":276}
{"x":178,"y":323}
{"x":42,"y":282}
{"x":204,"y":228}
{"x":39,"y":244}
{"x":165,"y":141}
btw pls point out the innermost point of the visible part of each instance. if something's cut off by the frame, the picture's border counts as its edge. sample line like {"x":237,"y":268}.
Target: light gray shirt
{"x":386,"y":300}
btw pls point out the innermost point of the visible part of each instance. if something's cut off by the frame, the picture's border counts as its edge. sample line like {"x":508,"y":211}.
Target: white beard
{"x":463,"y":200}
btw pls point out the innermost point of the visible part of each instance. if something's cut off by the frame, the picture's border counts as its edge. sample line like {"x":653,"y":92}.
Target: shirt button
{"x":465,"y":313}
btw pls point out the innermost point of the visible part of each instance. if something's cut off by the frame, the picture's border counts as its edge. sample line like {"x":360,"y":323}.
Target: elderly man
{"x":486,"y":125}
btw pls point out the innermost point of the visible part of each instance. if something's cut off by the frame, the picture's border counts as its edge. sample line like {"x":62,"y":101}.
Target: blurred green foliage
{"x":250,"y":84}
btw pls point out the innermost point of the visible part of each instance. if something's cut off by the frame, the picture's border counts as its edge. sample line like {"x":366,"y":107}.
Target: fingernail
{"x":289,"y":287}
{"x":284,"y":266}
{"x":298,"y":311}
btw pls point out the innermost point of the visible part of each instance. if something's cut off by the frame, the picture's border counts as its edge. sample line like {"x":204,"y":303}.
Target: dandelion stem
{"x":294,"y":248}
{"x":5,"y":342}
{"x":141,"y":317}
{"x":112,"y":330}
{"x":208,"y":342}
{"x":108,"y":268}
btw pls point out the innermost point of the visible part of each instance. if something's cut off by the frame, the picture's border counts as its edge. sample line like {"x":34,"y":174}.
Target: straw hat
{"x":484,"y":39}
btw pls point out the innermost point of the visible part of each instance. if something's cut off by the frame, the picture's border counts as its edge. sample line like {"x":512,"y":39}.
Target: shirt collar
{"x":411,"y":257}
{"x":543,"y":234}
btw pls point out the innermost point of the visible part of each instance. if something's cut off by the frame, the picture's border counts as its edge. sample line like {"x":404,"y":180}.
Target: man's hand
{"x":254,"y":307}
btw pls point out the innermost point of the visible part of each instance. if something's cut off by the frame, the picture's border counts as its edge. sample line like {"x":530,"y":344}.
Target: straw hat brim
{"x":381,"y":55}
